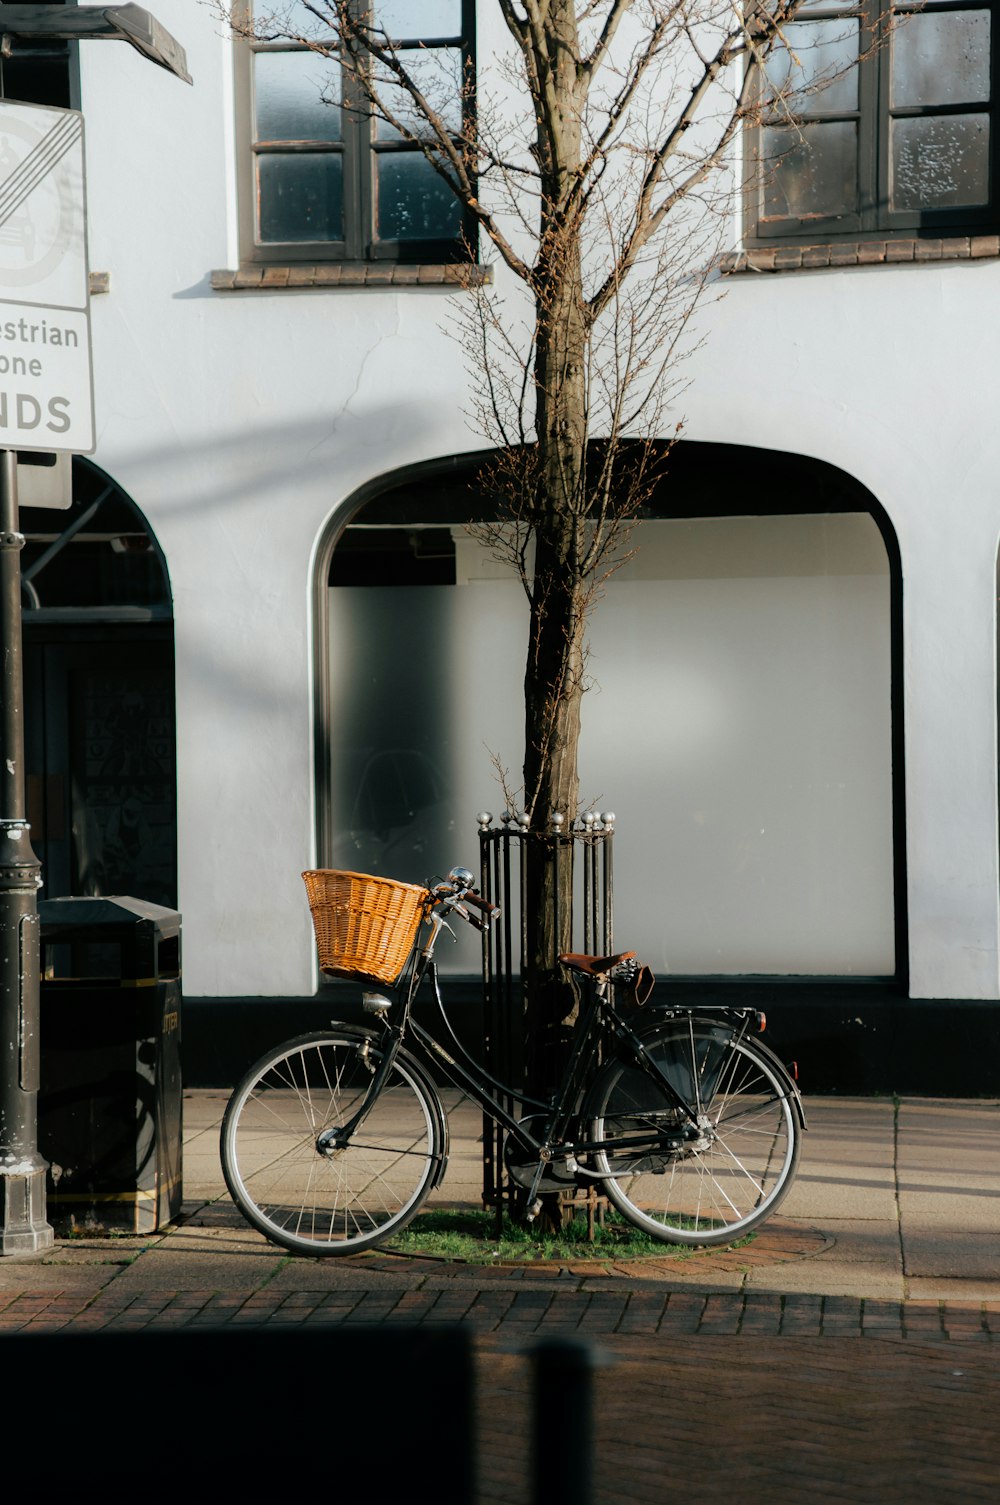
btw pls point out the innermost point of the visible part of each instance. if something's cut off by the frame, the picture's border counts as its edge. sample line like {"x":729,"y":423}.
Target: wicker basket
{"x":364,"y":926}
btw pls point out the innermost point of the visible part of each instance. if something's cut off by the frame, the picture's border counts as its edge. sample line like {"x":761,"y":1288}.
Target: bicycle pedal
{"x":532,"y":1212}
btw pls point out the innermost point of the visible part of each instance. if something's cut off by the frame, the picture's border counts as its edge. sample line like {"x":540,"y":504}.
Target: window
{"x":41,"y":73}
{"x":888,"y":140}
{"x":764,"y":647}
{"x":326,"y":180}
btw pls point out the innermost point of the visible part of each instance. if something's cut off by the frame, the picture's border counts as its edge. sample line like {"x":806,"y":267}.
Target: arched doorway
{"x":744,"y":724}
{"x":99,"y":693}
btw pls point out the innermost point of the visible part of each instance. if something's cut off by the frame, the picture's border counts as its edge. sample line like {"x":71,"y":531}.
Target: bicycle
{"x":689,"y":1125}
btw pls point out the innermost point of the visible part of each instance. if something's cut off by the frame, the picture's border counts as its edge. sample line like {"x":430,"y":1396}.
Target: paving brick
{"x":682,"y":1313}
{"x":415,"y":1304}
{"x":604,"y":1313}
{"x":451,"y":1306}
{"x":339,"y":1301}
{"x":527,"y":1308}
{"x":565,"y":1305}
{"x":643,"y":1313}
{"x":802,"y":1316}
{"x":722,"y":1314}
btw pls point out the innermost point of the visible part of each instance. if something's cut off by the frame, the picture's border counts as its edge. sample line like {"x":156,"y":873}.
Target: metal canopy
{"x":116,"y":23}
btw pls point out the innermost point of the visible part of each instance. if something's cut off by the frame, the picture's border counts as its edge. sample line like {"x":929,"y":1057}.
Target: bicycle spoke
{"x":709,"y":1186}
{"x":308,"y":1198}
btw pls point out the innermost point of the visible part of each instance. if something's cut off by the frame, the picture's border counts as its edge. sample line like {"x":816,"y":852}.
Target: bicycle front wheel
{"x":696,"y":1185}
{"x":311,"y":1199}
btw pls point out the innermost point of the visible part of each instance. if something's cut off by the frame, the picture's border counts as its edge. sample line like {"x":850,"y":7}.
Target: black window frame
{"x":42,"y":72}
{"x":359,"y":150}
{"x":874,"y":218}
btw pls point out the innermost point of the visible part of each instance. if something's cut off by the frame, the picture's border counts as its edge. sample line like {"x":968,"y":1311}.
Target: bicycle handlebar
{"x":489,"y":910}
{"x":454,"y":893}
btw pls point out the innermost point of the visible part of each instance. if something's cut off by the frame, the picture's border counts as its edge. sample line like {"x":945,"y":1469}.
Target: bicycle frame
{"x":597,"y":1016}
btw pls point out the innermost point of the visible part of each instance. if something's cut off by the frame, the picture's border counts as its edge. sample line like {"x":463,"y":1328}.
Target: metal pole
{"x":609,"y":886}
{"x":491,"y":1144}
{"x":23,"y":1225}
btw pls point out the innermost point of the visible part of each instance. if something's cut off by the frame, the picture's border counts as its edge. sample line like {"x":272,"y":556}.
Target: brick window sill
{"x":374,"y":274}
{"x":859,"y":253}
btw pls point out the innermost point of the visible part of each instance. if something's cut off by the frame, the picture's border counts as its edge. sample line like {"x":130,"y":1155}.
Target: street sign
{"x":46,"y":390}
{"x":46,"y":485}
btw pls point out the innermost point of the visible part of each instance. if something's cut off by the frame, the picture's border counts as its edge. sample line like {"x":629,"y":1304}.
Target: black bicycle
{"x":681,"y":1117}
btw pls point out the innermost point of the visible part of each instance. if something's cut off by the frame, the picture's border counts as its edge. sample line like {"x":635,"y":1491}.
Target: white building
{"x":795,"y":705}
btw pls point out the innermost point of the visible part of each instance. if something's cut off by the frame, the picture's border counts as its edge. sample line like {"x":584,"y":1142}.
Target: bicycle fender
{"x":782,"y":1070}
{"x":653,"y":1030}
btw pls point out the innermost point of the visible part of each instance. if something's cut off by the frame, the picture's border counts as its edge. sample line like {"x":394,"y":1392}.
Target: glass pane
{"x":941,"y":59}
{"x":290,"y":17}
{"x":811,"y":172}
{"x":407,"y":19}
{"x":296,"y":97}
{"x":437,"y":73}
{"x":816,"y":69}
{"x":413,"y":203}
{"x":121,"y":754}
{"x":717,"y":629}
{"x":300,"y":197}
{"x":940,"y":162}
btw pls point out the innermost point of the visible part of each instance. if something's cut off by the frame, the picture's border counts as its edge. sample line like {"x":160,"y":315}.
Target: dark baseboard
{"x":846,"y":1036}
{"x":860,"y":1036}
{"x":222,"y":1037}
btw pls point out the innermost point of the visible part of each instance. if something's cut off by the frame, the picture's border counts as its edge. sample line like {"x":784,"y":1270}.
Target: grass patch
{"x":470,"y":1236}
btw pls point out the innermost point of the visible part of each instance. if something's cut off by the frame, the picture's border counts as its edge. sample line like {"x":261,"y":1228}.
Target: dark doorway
{"x":99,"y":691}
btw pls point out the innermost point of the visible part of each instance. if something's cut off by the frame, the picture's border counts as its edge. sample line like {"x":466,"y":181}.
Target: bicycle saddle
{"x":594,"y":966}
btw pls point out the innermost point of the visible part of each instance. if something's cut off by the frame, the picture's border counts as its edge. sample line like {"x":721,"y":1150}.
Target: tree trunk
{"x":553,"y":690}
{"x":554,"y":673}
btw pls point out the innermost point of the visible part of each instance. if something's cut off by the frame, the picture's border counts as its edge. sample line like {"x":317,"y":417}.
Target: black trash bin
{"x":109,"y":1104}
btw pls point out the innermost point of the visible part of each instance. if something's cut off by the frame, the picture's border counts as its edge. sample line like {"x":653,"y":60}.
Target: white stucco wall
{"x":887,"y":373}
{"x":239,"y":423}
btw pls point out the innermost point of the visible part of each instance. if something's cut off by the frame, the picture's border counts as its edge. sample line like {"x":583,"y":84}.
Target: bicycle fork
{"x":338,"y":1136}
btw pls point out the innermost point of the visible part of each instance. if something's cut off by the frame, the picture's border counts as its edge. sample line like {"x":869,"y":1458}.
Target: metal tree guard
{"x":583,"y":859}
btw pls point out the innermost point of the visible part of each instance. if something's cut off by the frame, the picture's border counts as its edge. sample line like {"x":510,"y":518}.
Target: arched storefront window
{"x":99,"y":690}
{"x":739,"y":721}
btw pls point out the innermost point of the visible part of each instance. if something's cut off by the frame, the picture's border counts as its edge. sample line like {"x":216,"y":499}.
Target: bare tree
{"x":599,"y":157}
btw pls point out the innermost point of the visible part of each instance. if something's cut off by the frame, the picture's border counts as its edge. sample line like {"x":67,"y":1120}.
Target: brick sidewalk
{"x":506,"y":1309}
{"x":796,"y":1400}
{"x":791,"y":1372}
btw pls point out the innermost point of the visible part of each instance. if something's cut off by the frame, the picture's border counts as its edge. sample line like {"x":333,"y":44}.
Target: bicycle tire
{"x":733,"y":1177}
{"x":319,"y":1203}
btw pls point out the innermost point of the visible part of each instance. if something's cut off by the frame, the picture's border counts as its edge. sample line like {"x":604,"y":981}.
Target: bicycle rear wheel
{"x":328,"y":1203}
{"x":729,"y":1177}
